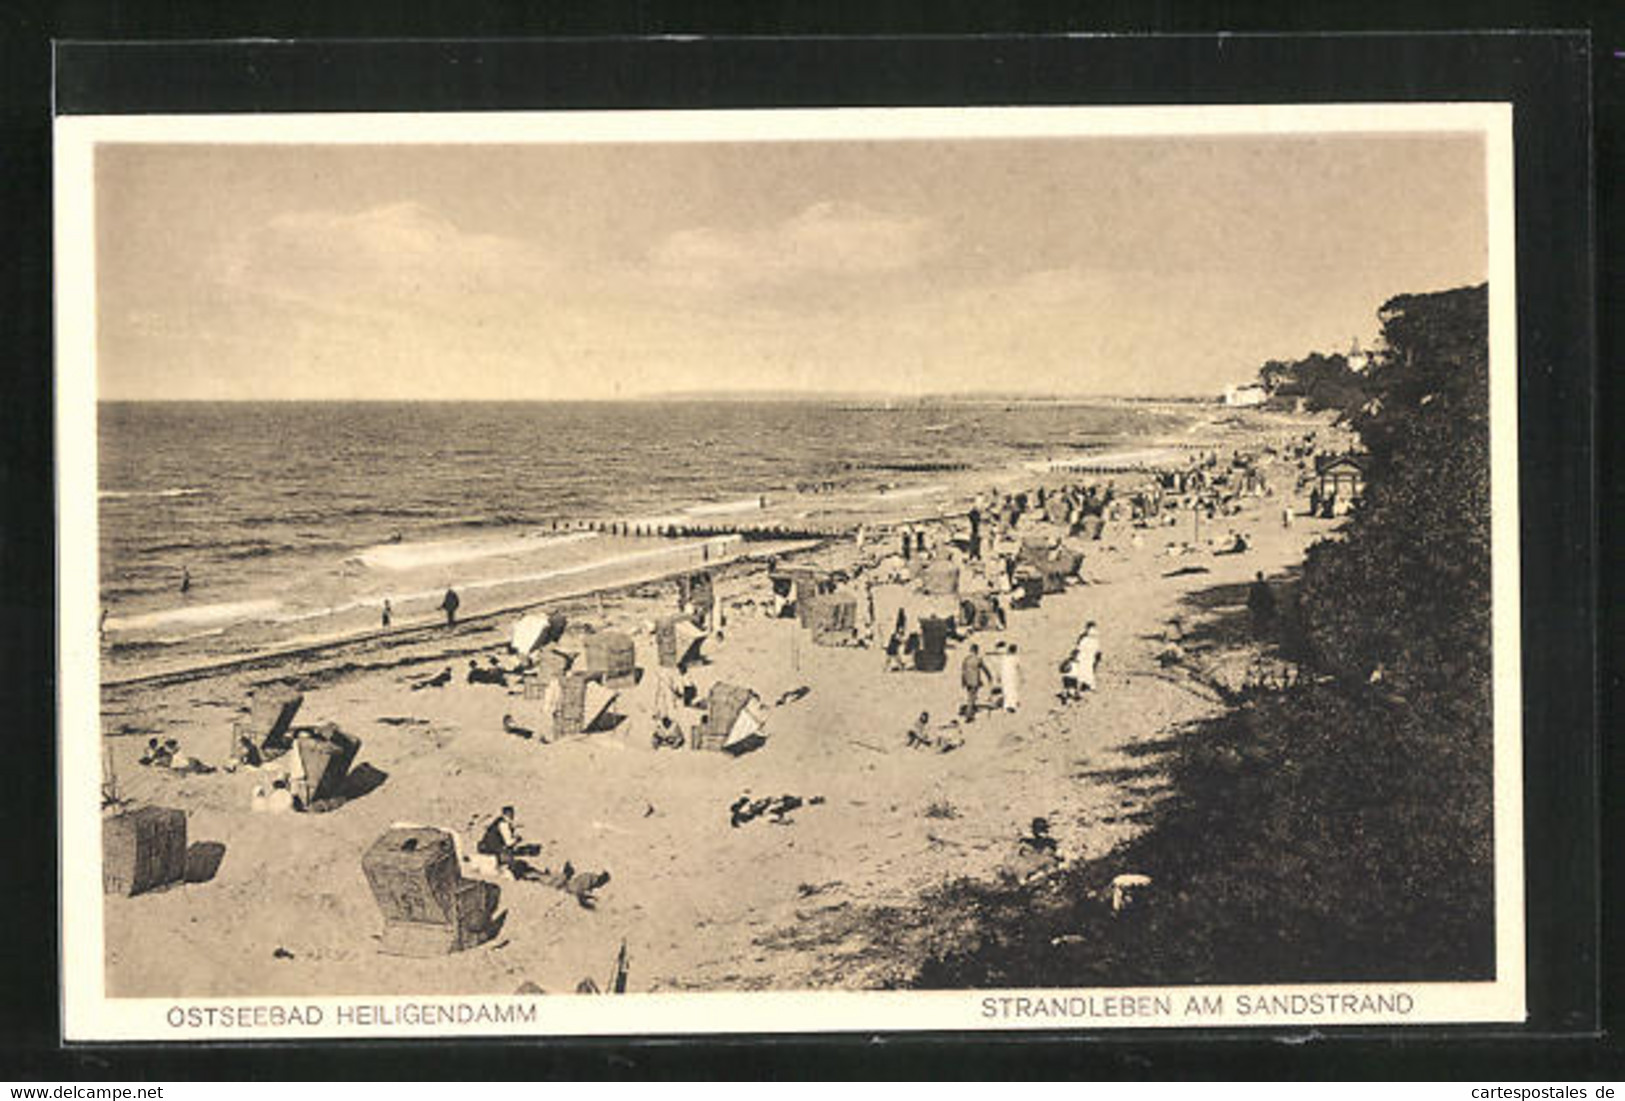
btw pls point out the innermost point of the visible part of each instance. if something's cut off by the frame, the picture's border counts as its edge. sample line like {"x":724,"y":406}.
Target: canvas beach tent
{"x":271,"y":712}
{"x":734,"y":721}
{"x":677,"y":641}
{"x":325,"y":754}
{"x":612,"y":656}
{"x":806,"y":583}
{"x":428,"y":908}
{"x":530,"y":632}
{"x":577,"y":703}
{"x":932,"y":656}
{"x":940,"y":578}
{"x":833,"y":620}
{"x":142,"y":850}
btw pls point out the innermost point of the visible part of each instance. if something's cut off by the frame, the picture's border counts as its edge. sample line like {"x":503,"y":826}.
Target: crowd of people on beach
{"x":964,"y":575}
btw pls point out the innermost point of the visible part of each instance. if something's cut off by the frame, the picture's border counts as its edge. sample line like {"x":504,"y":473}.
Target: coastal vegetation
{"x":1337,"y":826}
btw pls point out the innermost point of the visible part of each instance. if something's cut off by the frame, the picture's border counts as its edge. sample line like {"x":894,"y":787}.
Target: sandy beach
{"x":699,"y":903}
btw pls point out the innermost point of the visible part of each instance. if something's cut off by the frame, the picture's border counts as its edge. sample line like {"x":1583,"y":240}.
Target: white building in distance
{"x":1245,"y":393}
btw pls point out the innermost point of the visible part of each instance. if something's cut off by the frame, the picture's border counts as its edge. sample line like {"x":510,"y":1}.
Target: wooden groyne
{"x":765,"y":531}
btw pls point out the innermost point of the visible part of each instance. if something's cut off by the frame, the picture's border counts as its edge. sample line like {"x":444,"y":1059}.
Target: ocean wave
{"x":136,"y":494}
{"x":239,"y":548}
{"x":723,"y":508}
{"x":411,"y":556}
{"x":498,"y":520}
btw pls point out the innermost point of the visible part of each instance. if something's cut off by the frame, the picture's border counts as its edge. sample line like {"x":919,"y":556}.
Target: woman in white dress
{"x":1078,"y":672}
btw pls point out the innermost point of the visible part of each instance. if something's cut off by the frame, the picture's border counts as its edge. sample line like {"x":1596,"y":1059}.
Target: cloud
{"x":826,"y":239}
{"x":396,"y":257}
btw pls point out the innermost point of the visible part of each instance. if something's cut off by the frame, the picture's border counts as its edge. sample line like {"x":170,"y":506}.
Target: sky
{"x":1075,"y":266}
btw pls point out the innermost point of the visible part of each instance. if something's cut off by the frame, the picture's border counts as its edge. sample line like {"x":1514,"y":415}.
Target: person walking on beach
{"x":450,"y":605}
{"x":1010,"y":678}
{"x":387,"y":614}
{"x":972,"y":673}
{"x":894,"y":651}
{"x":1078,"y":672}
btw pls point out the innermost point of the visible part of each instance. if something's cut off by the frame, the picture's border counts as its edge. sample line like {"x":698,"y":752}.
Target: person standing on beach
{"x":908,"y":543}
{"x":387,"y":615}
{"x":186,"y":580}
{"x":972,"y":673}
{"x":1010,"y":678}
{"x":450,"y":605}
{"x":1261,"y":604}
{"x":1078,"y":673}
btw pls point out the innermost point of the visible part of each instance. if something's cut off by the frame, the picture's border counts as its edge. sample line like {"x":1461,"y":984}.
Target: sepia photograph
{"x":788,"y":570}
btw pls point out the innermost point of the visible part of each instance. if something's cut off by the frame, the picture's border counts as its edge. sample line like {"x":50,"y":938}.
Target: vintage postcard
{"x":691,"y":572}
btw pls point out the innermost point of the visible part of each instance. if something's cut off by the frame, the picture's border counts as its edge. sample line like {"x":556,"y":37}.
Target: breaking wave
{"x":411,"y":556}
{"x":136,"y":494}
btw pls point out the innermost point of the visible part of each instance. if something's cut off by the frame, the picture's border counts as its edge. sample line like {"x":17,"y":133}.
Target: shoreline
{"x":412,"y":634}
{"x":791,"y":523}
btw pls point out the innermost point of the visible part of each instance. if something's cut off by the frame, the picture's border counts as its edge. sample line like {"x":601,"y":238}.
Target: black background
{"x":1552,"y":80}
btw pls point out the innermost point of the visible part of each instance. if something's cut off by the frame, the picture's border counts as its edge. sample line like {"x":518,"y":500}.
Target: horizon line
{"x":708,"y":395}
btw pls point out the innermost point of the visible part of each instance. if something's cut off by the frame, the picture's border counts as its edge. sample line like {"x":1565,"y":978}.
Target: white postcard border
{"x":88,"y":1014}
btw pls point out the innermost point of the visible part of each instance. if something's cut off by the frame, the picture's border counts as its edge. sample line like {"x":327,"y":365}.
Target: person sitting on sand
{"x":688,"y":693}
{"x":180,"y":762}
{"x":156,"y":756}
{"x":439,"y":680}
{"x":667,"y":734}
{"x":1036,"y":854}
{"x":1040,"y":840}
{"x":918,"y":734}
{"x":491,"y":674}
{"x":280,"y":799}
{"x":500,"y":839}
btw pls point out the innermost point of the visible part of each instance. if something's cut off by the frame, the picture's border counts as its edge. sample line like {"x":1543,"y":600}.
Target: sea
{"x":292,"y":522}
